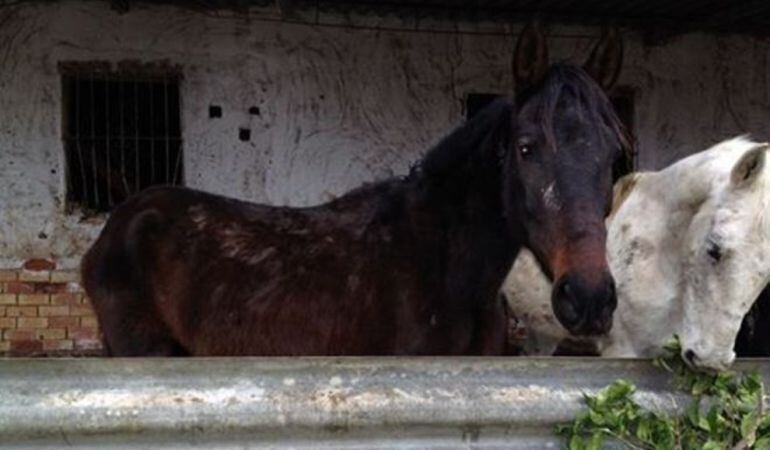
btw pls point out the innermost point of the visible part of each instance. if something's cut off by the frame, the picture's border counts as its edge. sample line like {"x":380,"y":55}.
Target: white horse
{"x":688,"y":247}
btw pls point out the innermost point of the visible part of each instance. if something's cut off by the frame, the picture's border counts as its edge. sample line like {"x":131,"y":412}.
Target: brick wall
{"x":43,"y":311}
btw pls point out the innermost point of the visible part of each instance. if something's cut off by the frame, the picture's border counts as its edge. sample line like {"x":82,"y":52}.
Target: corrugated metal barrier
{"x":303,"y":403}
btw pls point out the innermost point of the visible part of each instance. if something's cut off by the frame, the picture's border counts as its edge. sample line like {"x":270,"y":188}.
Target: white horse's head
{"x":727,"y":261}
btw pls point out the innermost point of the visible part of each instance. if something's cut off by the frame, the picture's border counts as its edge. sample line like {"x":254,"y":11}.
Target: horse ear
{"x":606,"y":58}
{"x":623,"y":188}
{"x":748,"y":168}
{"x":530,"y":58}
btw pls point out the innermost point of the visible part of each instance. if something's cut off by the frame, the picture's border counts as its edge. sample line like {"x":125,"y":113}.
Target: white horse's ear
{"x":606,"y":58}
{"x":623,"y":188}
{"x":530,"y":58}
{"x":748,"y":168}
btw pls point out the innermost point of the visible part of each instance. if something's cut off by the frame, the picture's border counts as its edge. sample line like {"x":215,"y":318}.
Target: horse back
{"x":221,"y":276}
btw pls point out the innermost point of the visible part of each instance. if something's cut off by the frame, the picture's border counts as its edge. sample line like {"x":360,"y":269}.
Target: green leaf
{"x":619,"y":390}
{"x":596,"y":441}
{"x":762,"y":444}
{"x":576,"y":443}
{"x":703,"y":423}
{"x":749,"y":425}
{"x":644,"y":431}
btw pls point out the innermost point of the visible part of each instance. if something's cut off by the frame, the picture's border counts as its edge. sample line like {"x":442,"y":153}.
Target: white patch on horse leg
{"x":551,"y":197}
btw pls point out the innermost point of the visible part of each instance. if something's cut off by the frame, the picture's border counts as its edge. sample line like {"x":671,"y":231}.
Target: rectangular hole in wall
{"x":122,"y":133}
{"x":622,"y":99}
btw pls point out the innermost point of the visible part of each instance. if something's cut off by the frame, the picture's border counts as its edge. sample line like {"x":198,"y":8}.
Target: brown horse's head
{"x":558,"y":174}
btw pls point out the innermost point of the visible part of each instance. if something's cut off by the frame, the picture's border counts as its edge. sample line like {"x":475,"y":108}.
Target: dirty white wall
{"x":339,"y":106}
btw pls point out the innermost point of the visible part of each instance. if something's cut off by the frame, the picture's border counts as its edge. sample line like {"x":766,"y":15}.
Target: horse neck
{"x":466,"y":206}
{"x":691,"y":180}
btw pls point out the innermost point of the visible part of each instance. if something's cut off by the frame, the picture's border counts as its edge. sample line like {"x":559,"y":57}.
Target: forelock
{"x":590,"y":102}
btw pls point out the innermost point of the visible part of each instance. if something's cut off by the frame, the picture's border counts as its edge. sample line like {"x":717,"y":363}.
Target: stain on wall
{"x":337,"y":106}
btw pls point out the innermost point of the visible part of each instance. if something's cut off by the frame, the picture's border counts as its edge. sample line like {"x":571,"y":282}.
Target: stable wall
{"x":338,"y":106}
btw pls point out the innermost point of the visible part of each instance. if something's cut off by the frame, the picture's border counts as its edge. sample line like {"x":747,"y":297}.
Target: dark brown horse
{"x":404,"y":266}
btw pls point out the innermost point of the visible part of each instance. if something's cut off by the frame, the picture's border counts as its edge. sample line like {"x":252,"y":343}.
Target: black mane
{"x":473,"y":139}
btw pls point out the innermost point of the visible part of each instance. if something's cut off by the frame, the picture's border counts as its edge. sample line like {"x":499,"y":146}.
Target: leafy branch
{"x":727,"y":412}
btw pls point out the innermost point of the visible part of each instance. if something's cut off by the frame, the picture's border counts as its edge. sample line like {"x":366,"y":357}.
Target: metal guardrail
{"x":303,"y":403}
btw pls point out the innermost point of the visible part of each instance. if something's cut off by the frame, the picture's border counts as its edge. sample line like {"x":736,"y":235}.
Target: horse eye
{"x":525,"y":149}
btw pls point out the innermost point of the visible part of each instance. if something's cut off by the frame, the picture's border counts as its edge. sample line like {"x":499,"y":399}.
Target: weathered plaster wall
{"x":338,"y":106}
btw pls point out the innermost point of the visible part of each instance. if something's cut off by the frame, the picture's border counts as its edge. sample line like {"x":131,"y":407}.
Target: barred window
{"x":121,"y":131}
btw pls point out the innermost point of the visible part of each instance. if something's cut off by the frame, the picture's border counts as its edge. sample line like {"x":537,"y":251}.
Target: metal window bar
{"x":178,"y":174}
{"x":84,"y":187}
{"x":151,"y":129}
{"x":105,"y":183}
{"x":94,"y":164}
{"x":136,"y":135}
{"x":121,"y":109}
{"x":107,"y":146}
{"x":166,"y":126}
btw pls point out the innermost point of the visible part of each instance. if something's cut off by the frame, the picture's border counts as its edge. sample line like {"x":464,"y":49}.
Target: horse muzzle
{"x":707,"y":358}
{"x":582,"y":307}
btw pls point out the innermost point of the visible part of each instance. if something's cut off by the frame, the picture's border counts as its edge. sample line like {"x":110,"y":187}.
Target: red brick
{"x":88,"y":344}
{"x":64,"y":322}
{"x":89,"y":322}
{"x":19,"y":287}
{"x":7,"y":322}
{"x":82,"y":333}
{"x":31,"y":323}
{"x":49,"y":311}
{"x":65,"y":276}
{"x":2,"y":311}
{"x":35,"y":276}
{"x":33,"y":299}
{"x":19,"y":335}
{"x":9,"y":275}
{"x":61,"y":344}
{"x":4,"y":346}
{"x":51,"y":334}
{"x":38,"y":264}
{"x":65,"y":299}
{"x":50,"y":288}
{"x":26,"y":346}
{"x":7,"y":299}
{"x":82,"y":310}
{"x":21,"y":311}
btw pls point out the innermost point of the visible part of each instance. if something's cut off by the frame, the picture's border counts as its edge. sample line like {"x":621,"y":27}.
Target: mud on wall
{"x":337,"y":106}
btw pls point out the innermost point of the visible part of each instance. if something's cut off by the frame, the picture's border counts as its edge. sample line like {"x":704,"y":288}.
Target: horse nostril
{"x":565,"y":305}
{"x":690,"y":357}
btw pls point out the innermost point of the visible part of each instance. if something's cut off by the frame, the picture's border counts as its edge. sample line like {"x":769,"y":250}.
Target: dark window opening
{"x":622,"y":99}
{"x":122,"y":134}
